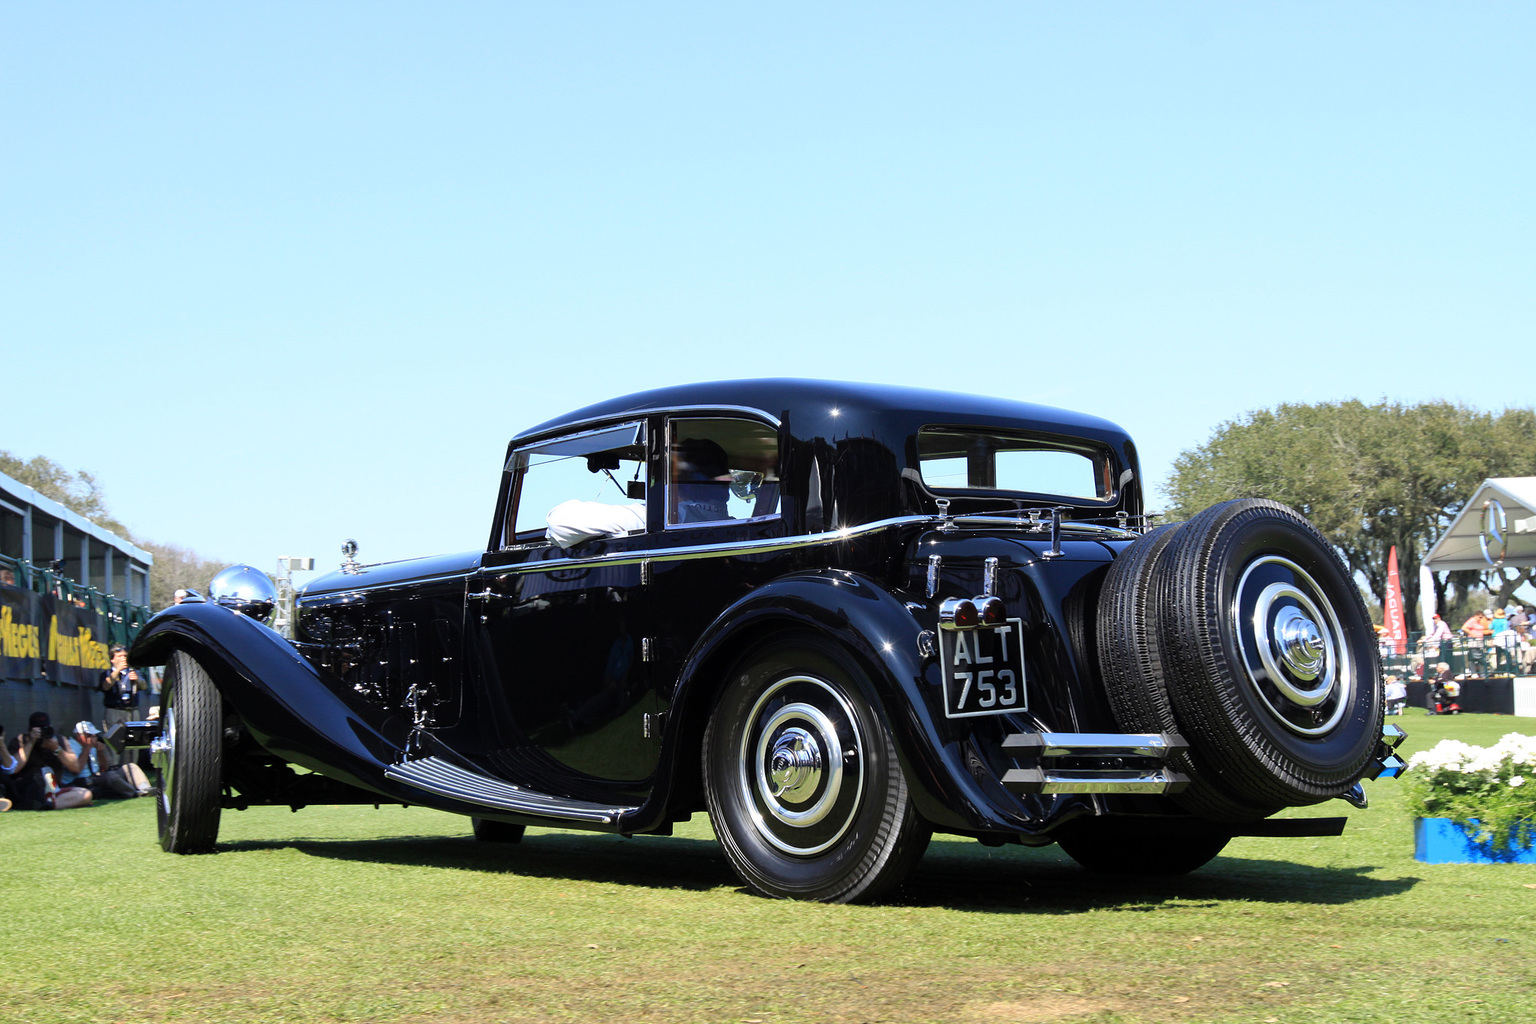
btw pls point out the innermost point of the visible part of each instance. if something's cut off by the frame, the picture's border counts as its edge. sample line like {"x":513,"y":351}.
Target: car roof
{"x":837,"y":408}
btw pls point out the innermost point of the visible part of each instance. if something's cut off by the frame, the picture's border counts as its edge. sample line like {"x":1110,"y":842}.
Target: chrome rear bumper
{"x":1094,"y":762}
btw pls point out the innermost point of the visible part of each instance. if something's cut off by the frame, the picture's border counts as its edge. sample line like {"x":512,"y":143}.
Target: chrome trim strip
{"x":1037,"y":780}
{"x":1085,"y":531}
{"x":795,"y":542}
{"x":362,"y":588}
{"x":435,"y":775}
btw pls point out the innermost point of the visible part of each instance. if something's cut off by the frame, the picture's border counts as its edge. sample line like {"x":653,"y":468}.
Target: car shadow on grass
{"x":1045,"y":881}
{"x":958,"y":876}
{"x":651,"y":861}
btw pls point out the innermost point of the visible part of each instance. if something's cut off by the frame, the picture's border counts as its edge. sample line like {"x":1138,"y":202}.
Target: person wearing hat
{"x":1500,"y":635}
{"x":105,"y":783}
{"x":83,"y":744}
{"x":44,"y":760}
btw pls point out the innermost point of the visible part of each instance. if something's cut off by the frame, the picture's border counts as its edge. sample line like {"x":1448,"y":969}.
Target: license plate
{"x":983,"y":670}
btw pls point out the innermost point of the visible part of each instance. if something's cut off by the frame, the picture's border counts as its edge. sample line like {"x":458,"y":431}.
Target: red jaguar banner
{"x":1392,"y":613}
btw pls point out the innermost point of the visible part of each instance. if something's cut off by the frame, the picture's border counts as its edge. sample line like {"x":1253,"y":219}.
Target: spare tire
{"x":1269,"y":656}
{"x":1131,"y":662}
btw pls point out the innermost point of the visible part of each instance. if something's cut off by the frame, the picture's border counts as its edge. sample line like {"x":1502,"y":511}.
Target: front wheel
{"x":803,"y":784}
{"x":189,"y":756}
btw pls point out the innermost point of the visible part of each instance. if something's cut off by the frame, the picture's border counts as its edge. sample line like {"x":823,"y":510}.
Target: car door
{"x":557,"y":625}
{"x":720,"y":509}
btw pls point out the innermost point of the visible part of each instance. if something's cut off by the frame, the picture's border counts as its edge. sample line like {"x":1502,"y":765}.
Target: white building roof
{"x":31,"y":496}
{"x":1462,"y":544}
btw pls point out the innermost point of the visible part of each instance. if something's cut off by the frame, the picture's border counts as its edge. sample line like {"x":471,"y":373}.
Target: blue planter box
{"x":1441,"y":841}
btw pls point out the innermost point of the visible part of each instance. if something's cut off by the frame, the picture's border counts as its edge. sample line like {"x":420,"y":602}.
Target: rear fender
{"x":879,"y":631}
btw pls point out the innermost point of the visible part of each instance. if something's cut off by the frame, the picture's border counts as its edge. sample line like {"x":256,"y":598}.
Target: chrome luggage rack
{"x":1095,"y":762}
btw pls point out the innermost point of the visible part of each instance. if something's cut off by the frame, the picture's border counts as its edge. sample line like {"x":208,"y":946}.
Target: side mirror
{"x":635,"y":490}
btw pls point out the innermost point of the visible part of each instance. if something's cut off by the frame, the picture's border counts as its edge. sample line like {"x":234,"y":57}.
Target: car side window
{"x":721,"y":470}
{"x":581,"y":487}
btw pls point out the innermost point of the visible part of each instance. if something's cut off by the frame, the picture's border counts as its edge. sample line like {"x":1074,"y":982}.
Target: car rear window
{"x":970,"y":459}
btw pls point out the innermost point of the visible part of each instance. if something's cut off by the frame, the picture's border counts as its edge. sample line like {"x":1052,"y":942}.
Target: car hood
{"x":392,"y":574}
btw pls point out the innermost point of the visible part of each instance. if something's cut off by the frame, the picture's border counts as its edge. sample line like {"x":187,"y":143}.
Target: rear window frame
{"x":1102,"y":456}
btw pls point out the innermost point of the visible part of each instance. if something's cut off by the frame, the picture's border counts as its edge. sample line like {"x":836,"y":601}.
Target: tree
{"x":77,"y":492}
{"x":1368,"y":476}
{"x":176,"y":569}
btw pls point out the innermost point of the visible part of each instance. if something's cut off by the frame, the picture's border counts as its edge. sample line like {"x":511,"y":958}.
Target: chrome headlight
{"x":245,"y":589}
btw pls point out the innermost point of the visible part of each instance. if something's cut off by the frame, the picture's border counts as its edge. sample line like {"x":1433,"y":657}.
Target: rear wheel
{"x":803,"y":784}
{"x":189,"y":756}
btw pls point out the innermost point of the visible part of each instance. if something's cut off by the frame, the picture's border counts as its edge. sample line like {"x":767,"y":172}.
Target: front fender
{"x":279,"y":696}
{"x":881,"y":632}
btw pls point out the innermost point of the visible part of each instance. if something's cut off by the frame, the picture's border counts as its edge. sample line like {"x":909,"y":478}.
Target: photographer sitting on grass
{"x":104,"y":782}
{"x":44,"y":760}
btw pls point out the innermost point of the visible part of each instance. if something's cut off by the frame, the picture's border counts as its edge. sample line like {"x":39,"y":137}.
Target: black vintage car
{"x":837,"y":617}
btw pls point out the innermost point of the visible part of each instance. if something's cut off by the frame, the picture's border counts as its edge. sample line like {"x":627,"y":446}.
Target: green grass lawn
{"x":398,"y":915}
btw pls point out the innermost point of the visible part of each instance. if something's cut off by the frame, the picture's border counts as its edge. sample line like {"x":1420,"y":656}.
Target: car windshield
{"x":604,"y":467}
{"x":969,"y":459}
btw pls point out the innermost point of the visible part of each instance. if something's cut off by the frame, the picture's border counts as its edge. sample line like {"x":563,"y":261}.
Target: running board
{"x":435,"y":775}
{"x":1097,"y":762}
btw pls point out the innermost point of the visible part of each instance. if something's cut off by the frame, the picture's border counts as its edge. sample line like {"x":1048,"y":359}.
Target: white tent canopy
{"x":1500,"y":518}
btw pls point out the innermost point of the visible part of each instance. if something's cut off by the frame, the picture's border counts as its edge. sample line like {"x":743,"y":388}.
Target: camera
{"x":47,"y":733}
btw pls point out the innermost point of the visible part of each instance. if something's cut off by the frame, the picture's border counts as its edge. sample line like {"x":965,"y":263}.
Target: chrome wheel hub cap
{"x":1301,"y":644}
{"x":162,"y":754}
{"x":1293,"y":646}
{"x":794,"y":767}
{"x":800,"y":777}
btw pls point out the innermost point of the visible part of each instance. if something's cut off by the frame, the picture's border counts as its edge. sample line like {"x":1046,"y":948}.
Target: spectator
{"x":9,"y":766}
{"x":1439,"y":631}
{"x":1396,"y":695}
{"x":1502,"y":636}
{"x":44,"y":760}
{"x":1524,"y":647}
{"x":121,"y":685}
{"x":104,"y":782}
{"x":1477,"y":625}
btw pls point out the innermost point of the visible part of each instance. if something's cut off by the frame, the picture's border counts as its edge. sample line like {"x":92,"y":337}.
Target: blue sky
{"x":282,"y":274}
